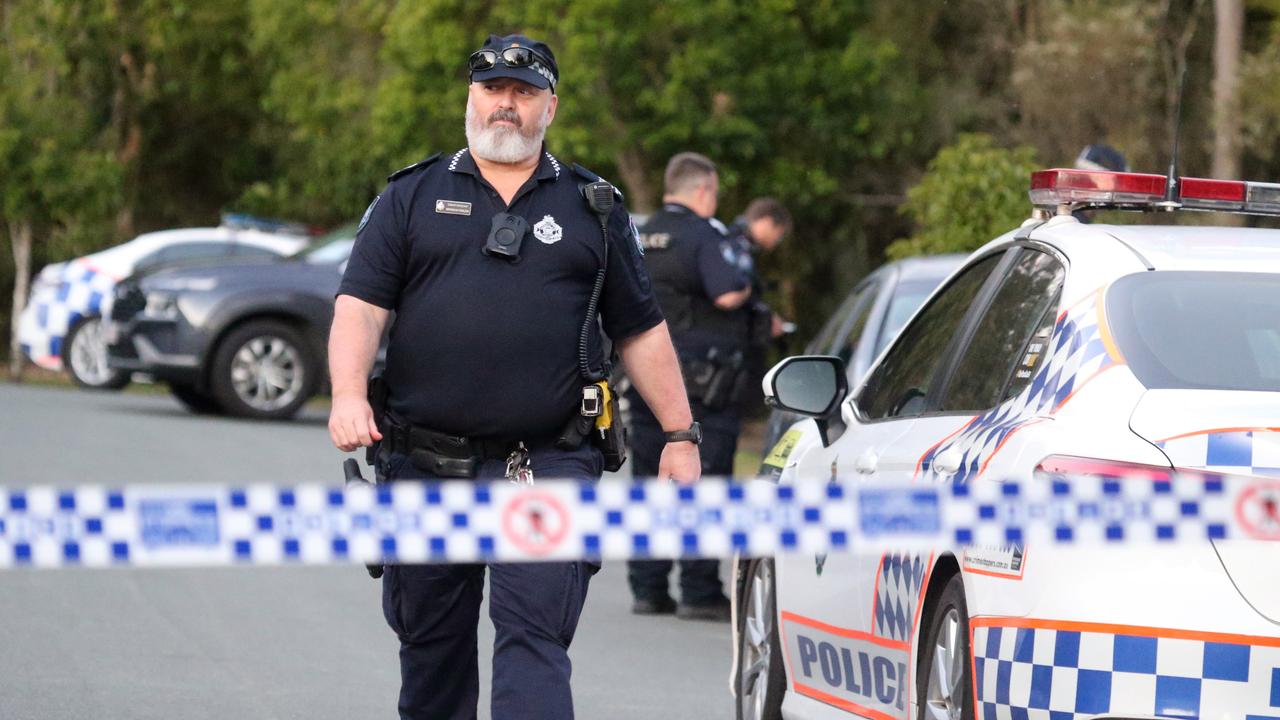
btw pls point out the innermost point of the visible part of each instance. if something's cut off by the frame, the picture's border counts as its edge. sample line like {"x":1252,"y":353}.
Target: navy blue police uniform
{"x":483,"y":352}
{"x":690,"y":263}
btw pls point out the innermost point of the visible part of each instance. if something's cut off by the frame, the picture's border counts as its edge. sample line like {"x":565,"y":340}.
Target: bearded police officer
{"x":702,"y":291}
{"x":491,"y":258}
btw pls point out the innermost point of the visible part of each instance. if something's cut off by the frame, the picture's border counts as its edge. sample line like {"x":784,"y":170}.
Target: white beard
{"x":502,"y":144}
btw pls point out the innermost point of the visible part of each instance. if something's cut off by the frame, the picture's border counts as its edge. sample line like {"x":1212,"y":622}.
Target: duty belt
{"x":444,"y":454}
{"x":404,"y":438}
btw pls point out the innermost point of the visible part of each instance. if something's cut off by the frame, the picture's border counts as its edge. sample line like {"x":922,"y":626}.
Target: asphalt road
{"x":258,"y":642}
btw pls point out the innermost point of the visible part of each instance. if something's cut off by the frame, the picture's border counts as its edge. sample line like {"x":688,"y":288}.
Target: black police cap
{"x":542,"y":73}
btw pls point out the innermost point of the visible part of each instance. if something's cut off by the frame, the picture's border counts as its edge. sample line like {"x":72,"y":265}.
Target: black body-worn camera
{"x":506,"y":236}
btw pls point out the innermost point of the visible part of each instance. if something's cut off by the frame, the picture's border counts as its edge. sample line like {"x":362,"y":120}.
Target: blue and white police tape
{"x":462,"y":521}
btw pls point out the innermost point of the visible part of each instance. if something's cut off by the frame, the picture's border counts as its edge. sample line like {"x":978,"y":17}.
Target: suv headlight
{"x":161,"y":306}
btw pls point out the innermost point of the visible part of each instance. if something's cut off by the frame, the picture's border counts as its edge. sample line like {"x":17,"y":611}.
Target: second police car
{"x":1127,"y":351}
{"x":62,"y":323}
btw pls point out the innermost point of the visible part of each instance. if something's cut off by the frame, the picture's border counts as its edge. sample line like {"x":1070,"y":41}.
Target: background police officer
{"x":702,"y":292}
{"x":489,"y":258}
{"x":758,"y":231}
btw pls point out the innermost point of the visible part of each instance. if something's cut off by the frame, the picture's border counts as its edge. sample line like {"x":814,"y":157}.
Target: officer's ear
{"x":551,"y":107}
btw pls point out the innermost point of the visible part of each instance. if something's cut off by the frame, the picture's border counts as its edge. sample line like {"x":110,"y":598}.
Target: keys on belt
{"x":519,"y":469}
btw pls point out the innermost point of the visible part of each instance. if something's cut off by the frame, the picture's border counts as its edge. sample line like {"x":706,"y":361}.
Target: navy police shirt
{"x":482,"y":346}
{"x":692,"y":263}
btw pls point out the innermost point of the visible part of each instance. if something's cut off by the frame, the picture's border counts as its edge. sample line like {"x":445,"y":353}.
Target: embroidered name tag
{"x":453,"y":207}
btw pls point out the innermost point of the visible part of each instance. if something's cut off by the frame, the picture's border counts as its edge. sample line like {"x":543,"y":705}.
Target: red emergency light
{"x":1096,"y":188}
{"x":1076,"y":189}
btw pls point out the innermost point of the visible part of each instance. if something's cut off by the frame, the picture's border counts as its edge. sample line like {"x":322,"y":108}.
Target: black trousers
{"x":534,"y":607}
{"x":699,"y":579}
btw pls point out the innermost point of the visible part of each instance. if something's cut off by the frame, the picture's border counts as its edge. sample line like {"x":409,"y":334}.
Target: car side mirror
{"x":812,"y":385}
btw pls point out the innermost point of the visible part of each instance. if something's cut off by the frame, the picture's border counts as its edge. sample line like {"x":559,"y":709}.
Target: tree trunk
{"x":641,"y":195}
{"x":1226,"y":82}
{"x":20,"y":239}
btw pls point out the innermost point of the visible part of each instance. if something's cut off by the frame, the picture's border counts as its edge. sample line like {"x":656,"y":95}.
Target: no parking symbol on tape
{"x":1258,"y":510}
{"x":536,"y":522}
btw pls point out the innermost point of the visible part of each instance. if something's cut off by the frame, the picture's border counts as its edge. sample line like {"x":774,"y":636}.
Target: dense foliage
{"x":120,"y":116}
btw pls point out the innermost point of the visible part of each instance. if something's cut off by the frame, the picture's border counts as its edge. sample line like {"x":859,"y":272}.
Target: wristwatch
{"x":693,"y":434}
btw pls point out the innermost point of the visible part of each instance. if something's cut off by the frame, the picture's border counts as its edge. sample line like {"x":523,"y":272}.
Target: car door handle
{"x":947,"y":462}
{"x":866,"y":463}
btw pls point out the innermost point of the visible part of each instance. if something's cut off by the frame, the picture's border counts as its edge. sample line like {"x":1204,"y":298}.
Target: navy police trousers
{"x":434,"y":610}
{"x":699,"y":579}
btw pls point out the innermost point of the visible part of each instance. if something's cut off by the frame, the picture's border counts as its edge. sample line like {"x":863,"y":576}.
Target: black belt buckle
{"x":444,"y":466}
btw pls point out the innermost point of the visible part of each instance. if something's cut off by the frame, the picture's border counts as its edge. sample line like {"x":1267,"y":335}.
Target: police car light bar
{"x":1075,"y":189}
{"x":1231,"y":196}
{"x":1095,"y":188}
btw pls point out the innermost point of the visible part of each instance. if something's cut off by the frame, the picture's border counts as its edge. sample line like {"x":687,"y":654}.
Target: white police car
{"x":1063,"y":346}
{"x":61,"y":324}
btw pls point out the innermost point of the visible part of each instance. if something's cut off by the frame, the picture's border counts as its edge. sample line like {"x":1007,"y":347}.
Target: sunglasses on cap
{"x":515,"y":57}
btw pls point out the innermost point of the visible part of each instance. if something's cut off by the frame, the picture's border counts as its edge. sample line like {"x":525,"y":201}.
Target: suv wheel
{"x":761,"y":681}
{"x":943,"y":682}
{"x":85,"y":357}
{"x":264,"y":369}
{"x":192,"y":399}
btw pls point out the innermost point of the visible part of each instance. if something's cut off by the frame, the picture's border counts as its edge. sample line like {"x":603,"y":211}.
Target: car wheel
{"x":192,"y":399}
{"x":761,"y":680}
{"x":264,"y":369}
{"x":85,"y":357}
{"x":943,"y":681}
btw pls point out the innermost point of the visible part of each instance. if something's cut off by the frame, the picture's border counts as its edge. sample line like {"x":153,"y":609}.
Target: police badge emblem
{"x":547,"y":230}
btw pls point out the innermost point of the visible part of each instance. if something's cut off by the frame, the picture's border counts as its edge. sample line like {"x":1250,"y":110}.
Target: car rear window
{"x":1199,"y":330}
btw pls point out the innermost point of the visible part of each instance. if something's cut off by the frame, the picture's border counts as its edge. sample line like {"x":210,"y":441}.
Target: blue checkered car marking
{"x":1234,"y":452}
{"x":1076,"y":354}
{"x":80,"y":292}
{"x":1059,"y":674}
{"x":898,"y":593}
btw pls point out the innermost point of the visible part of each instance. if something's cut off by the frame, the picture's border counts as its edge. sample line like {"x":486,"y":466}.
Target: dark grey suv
{"x":245,"y":338}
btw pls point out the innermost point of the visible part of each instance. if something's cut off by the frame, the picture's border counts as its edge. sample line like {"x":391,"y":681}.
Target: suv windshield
{"x":1199,"y":330}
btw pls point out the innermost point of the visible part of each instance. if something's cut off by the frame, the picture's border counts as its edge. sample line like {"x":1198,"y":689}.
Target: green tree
{"x":798,"y":100}
{"x":972,"y":192}
{"x":59,"y":178}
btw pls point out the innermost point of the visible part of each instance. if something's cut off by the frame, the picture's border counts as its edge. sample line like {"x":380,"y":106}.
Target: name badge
{"x":453,"y":207}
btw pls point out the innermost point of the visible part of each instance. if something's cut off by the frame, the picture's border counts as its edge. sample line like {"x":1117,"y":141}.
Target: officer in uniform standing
{"x":703,"y":293}
{"x":495,"y":259}
{"x":758,"y":231}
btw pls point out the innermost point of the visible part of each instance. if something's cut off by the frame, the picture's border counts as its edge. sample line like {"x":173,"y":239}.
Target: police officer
{"x":702,"y":291}
{"x":489,"y":257}
{"x":758,"y":231}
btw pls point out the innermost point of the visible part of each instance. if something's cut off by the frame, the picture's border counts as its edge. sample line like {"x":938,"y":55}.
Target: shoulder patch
{"x":367,"y":213}
{"x":412,"y":168}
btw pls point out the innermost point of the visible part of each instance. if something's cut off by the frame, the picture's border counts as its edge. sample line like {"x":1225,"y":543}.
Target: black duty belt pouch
{"x":716,"y":380}
{"x":448,"y":456}
{"x":575,"y":432}
{"x":444,"y":466}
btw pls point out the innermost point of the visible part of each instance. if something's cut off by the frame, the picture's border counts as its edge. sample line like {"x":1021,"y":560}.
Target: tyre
{"x":85,"y":357}
{"x":192,"y":399}
{"x":761,"y":680}
{"x":943,"y":682}
{"x":265,"y":370}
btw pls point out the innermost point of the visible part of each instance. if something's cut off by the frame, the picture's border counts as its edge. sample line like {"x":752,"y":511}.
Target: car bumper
{"x":155,"y":347}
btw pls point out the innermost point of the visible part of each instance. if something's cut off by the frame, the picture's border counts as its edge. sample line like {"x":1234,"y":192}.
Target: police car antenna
{"x":1170,"y":201}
